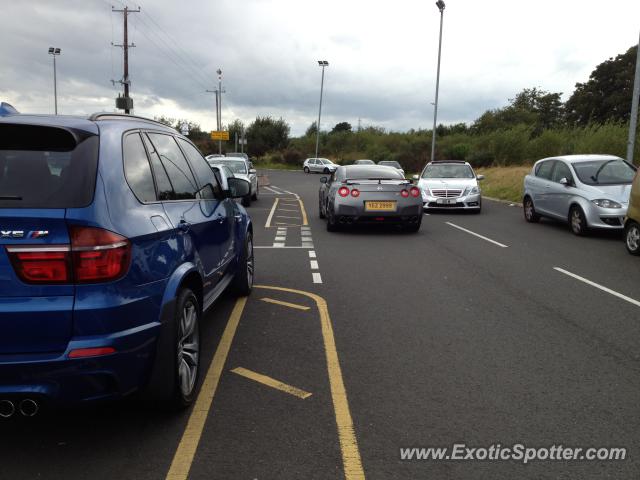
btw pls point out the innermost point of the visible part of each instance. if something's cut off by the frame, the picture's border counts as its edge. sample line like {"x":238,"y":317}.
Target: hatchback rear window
{"x":46,"y":167}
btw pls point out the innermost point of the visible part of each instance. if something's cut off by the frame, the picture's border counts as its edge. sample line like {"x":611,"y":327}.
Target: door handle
{"x":184,"y":226}
{"x":238,"y":217}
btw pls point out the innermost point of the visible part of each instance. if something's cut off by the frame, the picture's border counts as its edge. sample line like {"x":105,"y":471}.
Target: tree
{"x":312,"y":130}
{"x":235,"y":128}
{"x":606,"y":96}
{"x":531,"y":107}
{"x":342,"y":127}
{"x":266,"y":134}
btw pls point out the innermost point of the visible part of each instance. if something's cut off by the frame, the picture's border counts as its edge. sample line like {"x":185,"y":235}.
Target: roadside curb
{"x":499,"y":200}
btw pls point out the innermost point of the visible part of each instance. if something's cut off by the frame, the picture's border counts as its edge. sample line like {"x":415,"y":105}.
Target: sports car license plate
{"x":380,"y":206}
{"x":446,"y":201}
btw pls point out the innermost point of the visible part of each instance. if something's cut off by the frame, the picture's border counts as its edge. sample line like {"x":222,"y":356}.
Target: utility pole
{"x":219,"y":91}
{"x":126,"y":102}
{"x":633,"y":121}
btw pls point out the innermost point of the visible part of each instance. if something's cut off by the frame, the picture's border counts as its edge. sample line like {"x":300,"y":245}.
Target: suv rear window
{"x":46,"y":167}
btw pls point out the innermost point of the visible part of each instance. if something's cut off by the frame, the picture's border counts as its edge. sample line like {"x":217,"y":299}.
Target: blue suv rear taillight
{"x":95,"y":255}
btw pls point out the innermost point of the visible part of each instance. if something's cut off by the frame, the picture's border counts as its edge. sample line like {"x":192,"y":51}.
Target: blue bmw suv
{"x":115,"y":237}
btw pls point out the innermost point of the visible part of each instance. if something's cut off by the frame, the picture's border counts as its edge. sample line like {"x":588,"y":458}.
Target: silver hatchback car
{"x":587,"y":191}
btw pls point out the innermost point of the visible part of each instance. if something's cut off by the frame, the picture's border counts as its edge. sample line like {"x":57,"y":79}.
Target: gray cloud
{"x":382,"y":59}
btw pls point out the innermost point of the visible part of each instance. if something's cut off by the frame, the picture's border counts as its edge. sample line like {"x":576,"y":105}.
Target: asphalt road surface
{"x":478,"y":330}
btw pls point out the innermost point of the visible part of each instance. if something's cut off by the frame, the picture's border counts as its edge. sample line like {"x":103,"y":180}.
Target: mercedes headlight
{"x":471,"y":190}
{"x":606,"y":203}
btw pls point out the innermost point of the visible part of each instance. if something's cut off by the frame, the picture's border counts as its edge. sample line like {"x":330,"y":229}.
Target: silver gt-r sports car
{"x":373,"y":194}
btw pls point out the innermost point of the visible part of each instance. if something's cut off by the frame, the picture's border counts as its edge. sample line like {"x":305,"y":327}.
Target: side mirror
{"x":480,"y":177}
{"x":415,"y":177}
{"x":252,"y":171}
{"x":565,"y":182}
{"x":238,"y":187}
{"x":323,"y":180}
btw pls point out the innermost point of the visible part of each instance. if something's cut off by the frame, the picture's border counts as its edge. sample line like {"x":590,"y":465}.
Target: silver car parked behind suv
{"x":587,"y":191}
{"x":450,"y":184}
{"x":322,"y":165}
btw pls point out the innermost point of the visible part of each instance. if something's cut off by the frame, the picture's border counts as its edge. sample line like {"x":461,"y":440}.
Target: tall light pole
{"x":322,"y":63}
{"x":54,"y":52}
{"x":633,"y":121}
{"x":440,"y":5}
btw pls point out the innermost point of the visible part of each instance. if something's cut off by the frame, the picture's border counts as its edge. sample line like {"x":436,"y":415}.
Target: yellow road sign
{"x":220,"y":136}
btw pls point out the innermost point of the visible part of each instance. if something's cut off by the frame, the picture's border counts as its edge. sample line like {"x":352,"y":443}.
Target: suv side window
{"x":180,"y":175}
{"x":544,"y":170}
{"x":561,"y":171}
{"x":163,"y":184}
{"x":137,"y":169}
{"x":202,"y":169}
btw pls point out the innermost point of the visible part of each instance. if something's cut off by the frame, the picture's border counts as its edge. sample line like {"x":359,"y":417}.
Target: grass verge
{"x":505,"y":183}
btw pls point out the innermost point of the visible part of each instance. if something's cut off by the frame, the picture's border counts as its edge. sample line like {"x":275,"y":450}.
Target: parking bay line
{"x":351,"y":460}
{"x":273,"y":209}
{"x":285,"y":304}
{"x":477,"y":235}
{"x":271,"y":382}
{"x":183,"y":458}
{"x":598,"y":286}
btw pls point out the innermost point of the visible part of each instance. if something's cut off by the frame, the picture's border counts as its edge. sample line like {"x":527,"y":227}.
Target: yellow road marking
{"x":285,"y":304}
{"x":183,"y":458}
{"x":273,"y":209}
{"x":304,"y":213}
{"x":271,"y":382}
{"x":348,"y":443}
{"x":287,"y":224}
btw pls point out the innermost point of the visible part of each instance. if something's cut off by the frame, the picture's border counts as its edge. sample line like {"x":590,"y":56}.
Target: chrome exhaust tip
{"x":7,"y":408}
{"x":29,"y":407}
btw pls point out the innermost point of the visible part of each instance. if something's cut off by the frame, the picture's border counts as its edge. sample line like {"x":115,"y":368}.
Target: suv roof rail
{"x":108,"y":115}
{"x":448,"y":161}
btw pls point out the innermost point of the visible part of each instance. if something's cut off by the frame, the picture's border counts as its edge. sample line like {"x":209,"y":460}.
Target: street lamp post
{"x":323,"y":64}
{"x":54,"y":52}
{"x":635,"y":98}
{"x":440,"y":5}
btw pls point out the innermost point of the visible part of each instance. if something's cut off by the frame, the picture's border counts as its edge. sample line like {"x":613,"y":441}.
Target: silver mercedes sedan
{"x":450,"y":184}
{"x":587,"y":191}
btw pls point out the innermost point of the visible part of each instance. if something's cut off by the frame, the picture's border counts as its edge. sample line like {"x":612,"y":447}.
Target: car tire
{"x":332,"y":225}
{"x":246,"y":200}
{"x":578,"y":221}
{"x":306,"y":169}
{"x":255,"y":195}
{"x":632,"y":237}
{"x":243,"y":279}
{"x":530,"y":214}
{"x":321,"y":213}
{"x":326,"y":170}
{"x":178,"y":377}
{"x":414,"y":227}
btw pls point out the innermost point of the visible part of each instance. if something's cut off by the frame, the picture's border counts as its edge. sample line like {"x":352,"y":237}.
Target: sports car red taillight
{"x":415,"y":192}
{"x":404,"y":193}
{"x":343,"y":192}
{"x":355,"y":193}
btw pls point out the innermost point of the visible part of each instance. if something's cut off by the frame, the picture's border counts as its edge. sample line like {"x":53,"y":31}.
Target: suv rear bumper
{"x":60,"y":380}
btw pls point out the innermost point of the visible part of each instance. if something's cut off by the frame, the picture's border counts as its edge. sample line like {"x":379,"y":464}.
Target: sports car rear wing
{"x":357,"y":181}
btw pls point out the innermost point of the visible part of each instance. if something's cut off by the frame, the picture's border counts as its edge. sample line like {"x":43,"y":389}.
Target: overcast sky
{"x":382,"y":56}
